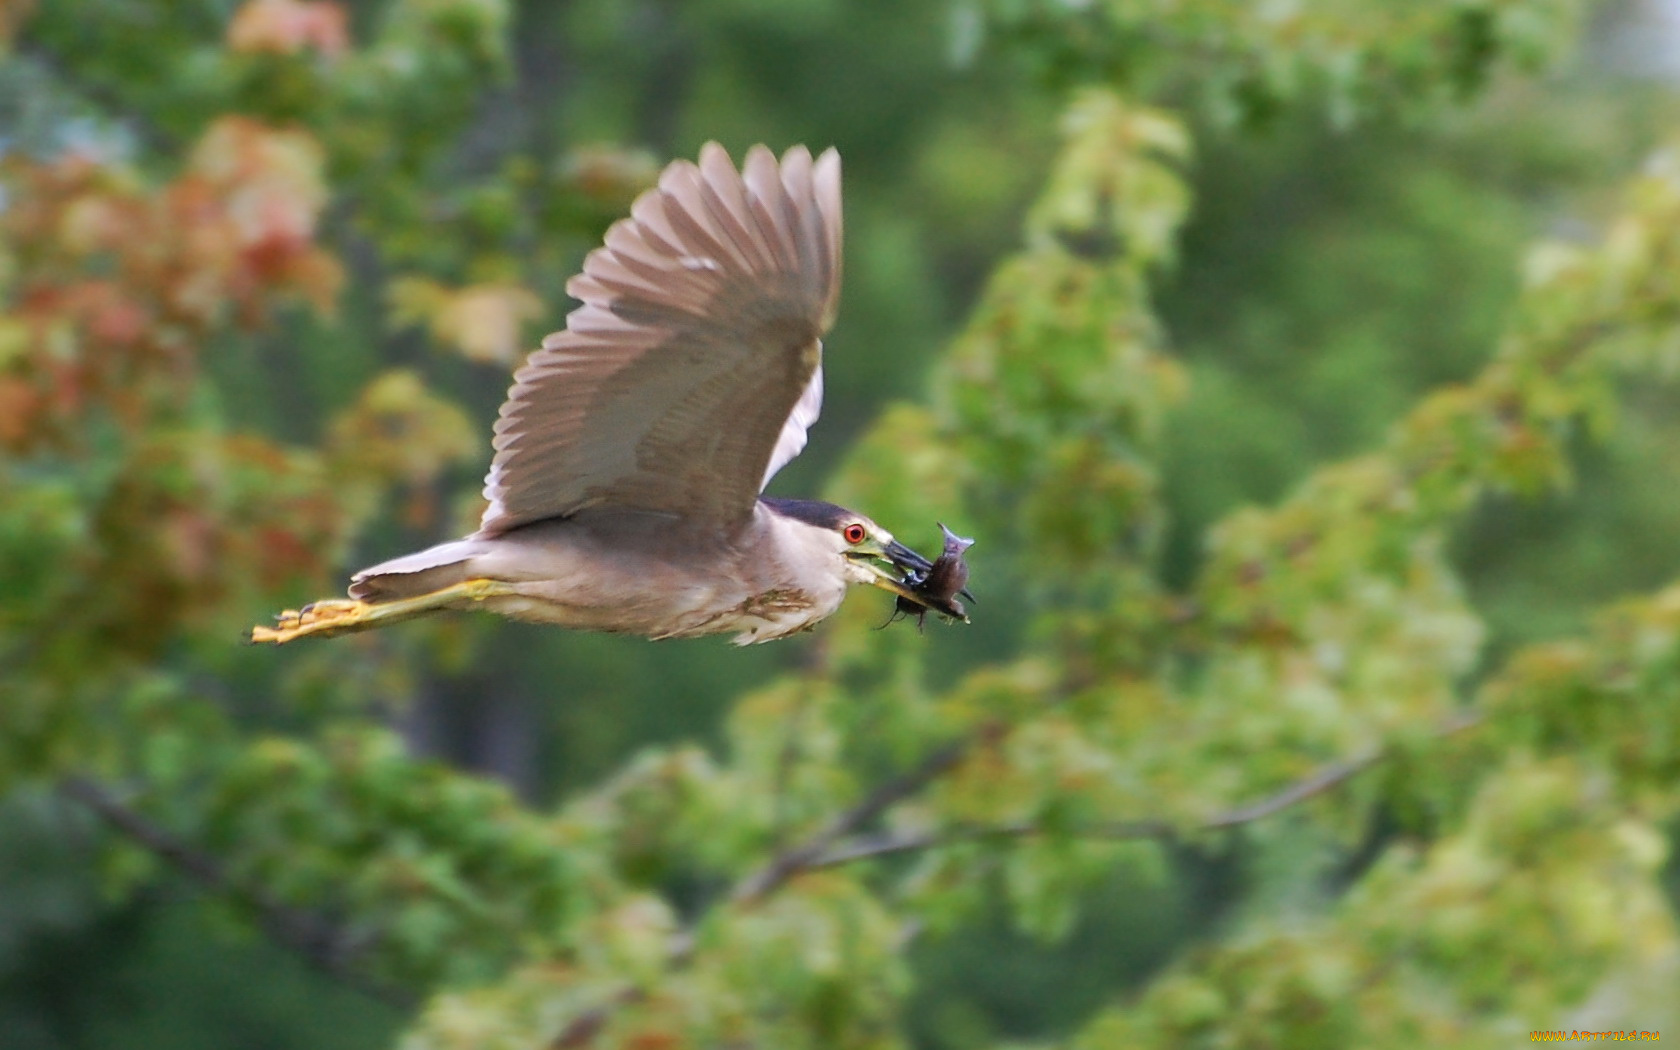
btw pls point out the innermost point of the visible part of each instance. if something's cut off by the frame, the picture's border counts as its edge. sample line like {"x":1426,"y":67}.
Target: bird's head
{"x":863,"y":551}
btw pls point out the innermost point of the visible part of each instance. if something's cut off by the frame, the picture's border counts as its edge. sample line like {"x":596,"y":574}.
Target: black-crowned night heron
{"x":631,"y":451}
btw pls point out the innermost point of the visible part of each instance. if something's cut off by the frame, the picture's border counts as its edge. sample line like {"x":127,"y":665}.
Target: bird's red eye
{"x":854,"y":533}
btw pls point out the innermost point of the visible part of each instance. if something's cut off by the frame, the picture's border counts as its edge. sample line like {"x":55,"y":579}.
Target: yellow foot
{"x":328,"y":616}
{"x":342,"y":615}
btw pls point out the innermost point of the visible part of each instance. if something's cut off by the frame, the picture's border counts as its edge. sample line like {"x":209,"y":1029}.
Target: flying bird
{"x":631,"y":454}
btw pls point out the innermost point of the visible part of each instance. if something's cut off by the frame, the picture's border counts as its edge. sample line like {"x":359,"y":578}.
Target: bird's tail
{"x":415,"y":574}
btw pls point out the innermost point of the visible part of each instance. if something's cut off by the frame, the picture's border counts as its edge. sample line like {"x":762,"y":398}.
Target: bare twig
{"x":319,"y":942}
{"x":795,"y":859}
{"x":1331,"y":776}
{"x":582,"y":1029}
{"x":877,"y":846}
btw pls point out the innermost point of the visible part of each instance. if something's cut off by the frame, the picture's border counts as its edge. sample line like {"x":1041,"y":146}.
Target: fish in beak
{"x":930,"y":586}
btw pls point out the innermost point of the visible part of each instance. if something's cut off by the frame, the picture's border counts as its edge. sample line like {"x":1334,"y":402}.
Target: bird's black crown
{"x":810,"y":511}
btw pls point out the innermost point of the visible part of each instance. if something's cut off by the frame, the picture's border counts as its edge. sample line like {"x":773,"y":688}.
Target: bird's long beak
{"x":900,"y":564}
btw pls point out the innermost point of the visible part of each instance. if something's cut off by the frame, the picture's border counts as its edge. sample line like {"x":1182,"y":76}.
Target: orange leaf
{"x":19,"y":403}
{"x":12,"y":14}
{"x":285,"y":27}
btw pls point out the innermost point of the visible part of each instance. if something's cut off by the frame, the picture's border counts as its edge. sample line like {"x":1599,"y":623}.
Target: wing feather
{"x":726,"y":201}
{"x":825,"y":177}
{"x":764,"y":181}
{"x":791,"y":441}
{"x":692,"y":370}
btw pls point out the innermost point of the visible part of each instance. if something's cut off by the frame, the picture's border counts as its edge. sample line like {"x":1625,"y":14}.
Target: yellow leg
{"x":332,"y":616}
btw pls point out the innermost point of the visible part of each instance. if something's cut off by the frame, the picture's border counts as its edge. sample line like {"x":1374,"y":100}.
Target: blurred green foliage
{"x":1324,"y":678}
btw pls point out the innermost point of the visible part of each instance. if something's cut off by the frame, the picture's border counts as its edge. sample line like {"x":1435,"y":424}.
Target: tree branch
{"x":582,"y":1029}
{"x":824,"y":849}
{"x":800,"y":857}
{"x":319,"y":942}
{"x":877,"y":846}
{"x":1327,"y":778}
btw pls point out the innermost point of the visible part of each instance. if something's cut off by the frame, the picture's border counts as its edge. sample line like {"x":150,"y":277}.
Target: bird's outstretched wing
{"x":693,"y":368}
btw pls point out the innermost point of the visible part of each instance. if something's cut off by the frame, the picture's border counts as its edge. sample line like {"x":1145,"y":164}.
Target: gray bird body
{"x":637,"y":573}
{"x":631,"y":451}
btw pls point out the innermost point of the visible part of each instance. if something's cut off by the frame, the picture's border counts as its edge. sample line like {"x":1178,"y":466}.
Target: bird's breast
{"x":777,"y":613}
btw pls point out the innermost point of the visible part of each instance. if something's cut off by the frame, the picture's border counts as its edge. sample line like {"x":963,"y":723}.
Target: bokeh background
{"x":1302,"y":368}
